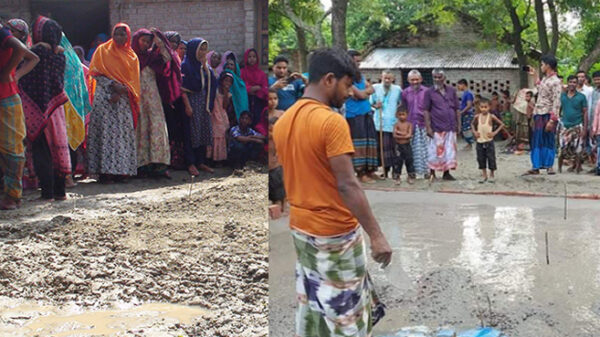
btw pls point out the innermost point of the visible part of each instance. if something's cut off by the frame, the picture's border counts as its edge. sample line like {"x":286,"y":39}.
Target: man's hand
{"x":381,"y":251}
{"x":378,"y":105}
{"x":280,"y":83}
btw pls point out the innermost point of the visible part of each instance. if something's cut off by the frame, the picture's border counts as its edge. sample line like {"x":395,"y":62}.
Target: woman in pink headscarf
{"x":256,"y":84}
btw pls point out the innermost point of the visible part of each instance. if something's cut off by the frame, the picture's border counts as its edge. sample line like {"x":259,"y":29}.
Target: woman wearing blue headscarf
{"x":238,"y":89}
{"x":100,"y":39}
{"x":199,"y":90}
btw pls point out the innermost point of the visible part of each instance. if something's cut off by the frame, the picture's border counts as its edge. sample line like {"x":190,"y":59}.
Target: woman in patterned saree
{"x":111,"y":133}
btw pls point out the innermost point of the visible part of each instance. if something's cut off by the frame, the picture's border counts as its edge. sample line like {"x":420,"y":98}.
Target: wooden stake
{"x":547,"y":254}
{"x":565,"y":201}
{"x":191,"y":183}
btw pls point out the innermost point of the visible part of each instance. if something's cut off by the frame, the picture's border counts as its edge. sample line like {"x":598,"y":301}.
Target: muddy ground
{"x":509,"y":177}
{"x":116,"y":247}
{"x":462,"y":261}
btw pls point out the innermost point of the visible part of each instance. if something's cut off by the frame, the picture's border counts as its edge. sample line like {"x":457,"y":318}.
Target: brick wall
{"x":226,"y":24}
{"x":15,"y":9}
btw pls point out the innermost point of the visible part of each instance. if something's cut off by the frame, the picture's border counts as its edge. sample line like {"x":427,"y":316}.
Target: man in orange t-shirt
{"x":327,"y":204}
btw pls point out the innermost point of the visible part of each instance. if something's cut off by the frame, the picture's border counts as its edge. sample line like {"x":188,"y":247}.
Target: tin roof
{"x":403,"y":58}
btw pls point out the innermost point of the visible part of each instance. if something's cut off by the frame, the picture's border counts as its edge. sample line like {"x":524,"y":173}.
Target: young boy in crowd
{"x":276,"y":189}
{"x":245,"y":143}
{"x":483,"y":129}
{"x":272,"y":104}
{"x":403,"y":133}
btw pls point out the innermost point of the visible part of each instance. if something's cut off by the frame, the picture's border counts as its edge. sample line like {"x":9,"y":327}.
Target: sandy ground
{"x":465,"y":260}
{"x":139,"y":259}
{"x":508,"y":177}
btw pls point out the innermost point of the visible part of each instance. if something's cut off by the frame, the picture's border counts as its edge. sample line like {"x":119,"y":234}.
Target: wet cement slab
{"x":466,"y":260}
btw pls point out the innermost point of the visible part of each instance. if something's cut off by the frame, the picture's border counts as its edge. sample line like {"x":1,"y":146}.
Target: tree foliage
{"x":369,"y":21}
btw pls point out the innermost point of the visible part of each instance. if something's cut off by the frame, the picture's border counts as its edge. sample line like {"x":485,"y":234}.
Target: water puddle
{"x":34,"y":320}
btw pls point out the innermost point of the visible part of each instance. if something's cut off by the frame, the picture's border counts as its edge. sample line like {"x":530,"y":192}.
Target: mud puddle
{"x":160,"y":319}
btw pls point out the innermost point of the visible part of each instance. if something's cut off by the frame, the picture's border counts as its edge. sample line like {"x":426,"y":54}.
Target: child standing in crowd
{"x":272,"y":104}
{"x":483,"y":129}
{"x":199,"y":91}
{"x":466,"y":113}
{"x":245,"y":143}
{"x":403,"y":132}
{"x":276,"y":189}
{"x":220,"y":120}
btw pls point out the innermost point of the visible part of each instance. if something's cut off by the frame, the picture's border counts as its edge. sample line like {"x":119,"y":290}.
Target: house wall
{"x":226,"y":24}
{"x":484,"y":81}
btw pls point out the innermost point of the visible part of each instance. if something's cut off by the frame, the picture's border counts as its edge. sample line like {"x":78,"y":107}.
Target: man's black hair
{"x":331,"y":60}
{"x":353,"y":52}
{"x":581,"y":72}
{"x":571,"y":77}
{"x":484,"y":100}
{"x":495,"y":93}
{"x":246,"y":113}
{"x":463,"y":81}
{"x":596,"y":74}
{"x":281,"y":58}
{"x":550,"y":60}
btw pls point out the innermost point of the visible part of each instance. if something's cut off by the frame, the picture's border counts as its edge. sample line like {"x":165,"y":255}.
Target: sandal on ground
{"x":531,"y":173}
{"x":483,"y":180}
{"x":550,"y":172}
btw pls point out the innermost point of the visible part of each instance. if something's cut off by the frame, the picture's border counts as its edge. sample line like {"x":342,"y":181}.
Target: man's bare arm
{"x":355,"y":199}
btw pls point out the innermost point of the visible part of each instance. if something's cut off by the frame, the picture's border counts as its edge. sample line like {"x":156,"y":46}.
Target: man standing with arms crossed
{"x":328,"y":207}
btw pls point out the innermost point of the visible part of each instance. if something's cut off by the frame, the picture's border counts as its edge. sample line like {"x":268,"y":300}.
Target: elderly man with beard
{"x":329,"y":209}
{"x":413,"y":98}
{"x":386,"y":99}
{"x":442,"y":119}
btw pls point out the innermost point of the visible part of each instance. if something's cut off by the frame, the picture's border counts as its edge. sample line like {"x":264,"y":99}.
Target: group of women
{"x":145,"y":103}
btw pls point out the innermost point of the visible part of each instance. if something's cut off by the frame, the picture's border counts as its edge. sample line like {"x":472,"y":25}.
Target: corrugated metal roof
{"x":403,"y":58}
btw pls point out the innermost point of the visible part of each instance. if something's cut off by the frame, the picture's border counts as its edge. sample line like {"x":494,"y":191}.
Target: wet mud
{"x":109,"y":251}
{"x":464,"y":261}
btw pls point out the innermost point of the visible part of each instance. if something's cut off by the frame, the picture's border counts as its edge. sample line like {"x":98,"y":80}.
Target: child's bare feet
{"x":205,"y":168}
{"x":365,"y":179}
{"x":411,"y":180}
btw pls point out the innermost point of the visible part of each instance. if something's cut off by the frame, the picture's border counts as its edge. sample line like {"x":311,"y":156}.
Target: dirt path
{"x":508,"y":177}
{"x":116,"y":247}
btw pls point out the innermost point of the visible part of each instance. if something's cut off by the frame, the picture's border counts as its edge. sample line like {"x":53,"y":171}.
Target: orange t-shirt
{"x":306,"y":136}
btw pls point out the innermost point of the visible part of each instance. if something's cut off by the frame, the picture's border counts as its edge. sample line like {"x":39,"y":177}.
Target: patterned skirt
{"x":334,"y":291}
{"x":389,"y":155}
{"x":442,"y":151}
{"x":364,"y":138}
{"x":111,"y":136}
{"x":571,"y":142}
{"x":419,"y":149}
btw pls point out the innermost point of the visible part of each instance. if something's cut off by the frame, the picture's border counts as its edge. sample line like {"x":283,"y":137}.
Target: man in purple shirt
{"x":442,"y":119}
{"x":414,"y":98}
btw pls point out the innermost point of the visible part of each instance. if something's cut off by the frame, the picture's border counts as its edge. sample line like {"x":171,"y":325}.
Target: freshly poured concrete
{"x":470,"y":259}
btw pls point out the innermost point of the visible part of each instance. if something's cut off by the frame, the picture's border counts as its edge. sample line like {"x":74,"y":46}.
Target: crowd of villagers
{"x":132,"y":106}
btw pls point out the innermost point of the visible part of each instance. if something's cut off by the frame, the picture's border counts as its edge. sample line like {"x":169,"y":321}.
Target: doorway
{"x":81,"y":20}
